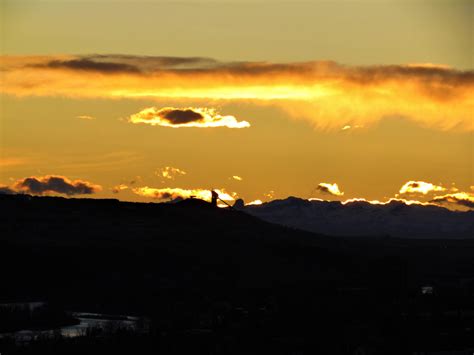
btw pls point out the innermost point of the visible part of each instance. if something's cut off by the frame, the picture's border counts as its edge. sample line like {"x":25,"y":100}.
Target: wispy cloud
{"x":118,"y":188}
{"x":11,"y":161}
{"x":349,"y":127}
{"x":331,"y":189}
{"x":85,"y":117}
{"x":420,"y":187}
{"x":186,"y":117}
{"x":237,"y":178}
{"x":328,"y":94}
{"x":174,"y":193}
{"x":55,"y":184}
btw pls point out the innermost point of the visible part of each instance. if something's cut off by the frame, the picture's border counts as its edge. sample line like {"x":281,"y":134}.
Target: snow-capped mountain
{"x":362,"y":218}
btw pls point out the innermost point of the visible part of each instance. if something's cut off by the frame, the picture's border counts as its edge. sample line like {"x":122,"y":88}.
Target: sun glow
{"x":420,"y":187}
{"x":174,"y":193}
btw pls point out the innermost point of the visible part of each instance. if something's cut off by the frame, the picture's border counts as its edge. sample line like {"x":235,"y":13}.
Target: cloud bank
{"x":55,"y":184}
{"x":200,"y":117}
{"x":328,"y":94}
{"x":462,"y":199}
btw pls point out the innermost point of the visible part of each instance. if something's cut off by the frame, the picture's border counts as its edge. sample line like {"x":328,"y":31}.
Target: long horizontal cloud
{"x":83,"y":64}
{"x":420,"y":187}
{"x":328,"y":94}
{"x":331,"y":189}
{"x":174,"y":193}
{"x":122,"y":63}
{"x":201,"y":117}
{"x":55,"y":184}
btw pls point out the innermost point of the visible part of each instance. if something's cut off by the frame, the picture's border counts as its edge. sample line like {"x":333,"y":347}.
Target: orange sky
{"x":376,"y":97}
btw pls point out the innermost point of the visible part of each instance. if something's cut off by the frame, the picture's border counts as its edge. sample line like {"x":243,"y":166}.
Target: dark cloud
{"x":54,"y":183}
{"x":426,"y":74}
{"x":151,"y":63}
{"x":373,"y":74}
{"x":83,"y":64}
{"x":117,"y":63}
{"x":186,"y":117}
{"x":177,"y":116}
{"x":5,"y":190}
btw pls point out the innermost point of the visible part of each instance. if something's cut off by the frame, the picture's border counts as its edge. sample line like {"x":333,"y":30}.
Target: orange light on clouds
{"x":332,"y":189}
{"x":201,"y":117}
{"x":169,"y":172}
{"x":420,"y":187}
{"x":459,"y":200}
{"x":173,"y":193}
{"x":327,"y":94}
{"x":254,"y":203}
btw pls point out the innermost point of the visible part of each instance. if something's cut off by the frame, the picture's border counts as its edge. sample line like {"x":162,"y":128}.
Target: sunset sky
{"x":150,"y":100}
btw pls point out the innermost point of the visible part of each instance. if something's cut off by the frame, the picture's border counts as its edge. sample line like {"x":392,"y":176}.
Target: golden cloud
{"x":237,"y":178}
{"x":85,"y":117}
{"x":327,"y":188}
{"x":170,"y":173}
{"x":327,"y":94}
{"x":254,"y":203}
{"x":420,"y":187}
{"x":174,"y":193}
{"x":186,"y":117}
{"x":116,"y":189}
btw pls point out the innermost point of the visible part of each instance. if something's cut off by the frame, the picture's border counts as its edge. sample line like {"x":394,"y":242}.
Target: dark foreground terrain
{"x":218,"y":281}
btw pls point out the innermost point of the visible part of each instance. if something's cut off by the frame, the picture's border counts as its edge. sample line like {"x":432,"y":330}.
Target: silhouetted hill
{"x":192,"y":244}
{"x":185,"y":244}
{"x":189,"y":265}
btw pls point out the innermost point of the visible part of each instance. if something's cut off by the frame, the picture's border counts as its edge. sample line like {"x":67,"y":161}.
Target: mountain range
{"x":362,"y":218}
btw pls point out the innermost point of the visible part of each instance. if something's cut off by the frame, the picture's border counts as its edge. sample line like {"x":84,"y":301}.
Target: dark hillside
{"x":190,"y":266}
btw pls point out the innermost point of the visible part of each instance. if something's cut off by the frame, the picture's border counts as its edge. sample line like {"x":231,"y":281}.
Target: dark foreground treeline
{"x":221,"y":282}
{"x":15,"y":317}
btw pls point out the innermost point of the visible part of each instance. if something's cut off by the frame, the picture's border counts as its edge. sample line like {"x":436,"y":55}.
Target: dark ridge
{"x":220,"y":281}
